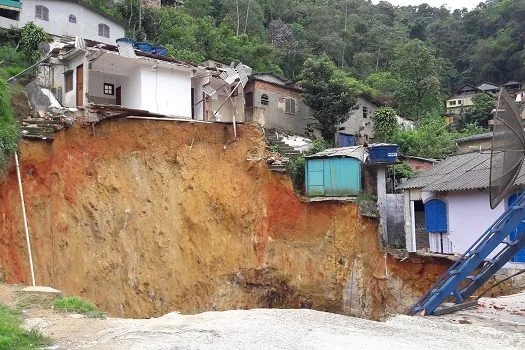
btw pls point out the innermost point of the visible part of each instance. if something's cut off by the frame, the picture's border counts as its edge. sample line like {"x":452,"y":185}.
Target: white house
{"x":81,"y":73}
{"x":447,"y":206}
{"x":64,"y":18}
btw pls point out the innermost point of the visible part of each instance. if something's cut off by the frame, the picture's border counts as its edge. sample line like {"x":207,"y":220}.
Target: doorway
{"x":118,"y":96}
{"x":80,"y":85}
{"x":422,"y":239}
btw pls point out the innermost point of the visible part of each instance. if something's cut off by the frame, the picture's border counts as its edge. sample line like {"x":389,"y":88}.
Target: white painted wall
{"x":58,"y":24}
{"x":131,"y":91}
{"x":166,"y":91}
{"x":469,"y":216}
{"x":96,"y":86}
{"x":69,"y":98}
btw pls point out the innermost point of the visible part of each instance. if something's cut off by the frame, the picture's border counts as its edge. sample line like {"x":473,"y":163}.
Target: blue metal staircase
{"x":475,"y":267}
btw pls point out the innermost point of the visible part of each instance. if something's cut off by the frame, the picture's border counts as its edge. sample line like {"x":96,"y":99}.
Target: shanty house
{"x":358,"y":129}
{"x":276,"y":103}
{"x":62,"y":18}
{"x":334,"y":172}
{"x":447,"y":206}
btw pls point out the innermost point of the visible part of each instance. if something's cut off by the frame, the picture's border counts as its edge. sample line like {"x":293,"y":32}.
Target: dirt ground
{"x":144,"y":218}
{"x":496,"y":324}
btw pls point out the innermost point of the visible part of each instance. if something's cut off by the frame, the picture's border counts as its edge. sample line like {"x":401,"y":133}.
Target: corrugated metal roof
{"x":488,"y":86}
{"x":458,"y":173}
{"x":486,"y":135}
{"x":358,"y":152}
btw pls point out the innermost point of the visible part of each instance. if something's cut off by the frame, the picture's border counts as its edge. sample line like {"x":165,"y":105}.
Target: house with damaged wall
{"x":81,"y":73}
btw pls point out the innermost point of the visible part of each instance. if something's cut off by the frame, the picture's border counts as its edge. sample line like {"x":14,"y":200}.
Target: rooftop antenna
{"x":508,"y":149}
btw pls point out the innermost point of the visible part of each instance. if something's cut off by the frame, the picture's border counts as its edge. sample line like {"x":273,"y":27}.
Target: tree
{"x":430,"y":139}
{"x":417,"y":69}
{"x":326,"y":90}
{"x":384,"y":82}
{"x":9,"y":131}
{"x":385,"y":124}
{"x":480,"y":111}
{"x":31,"y":36}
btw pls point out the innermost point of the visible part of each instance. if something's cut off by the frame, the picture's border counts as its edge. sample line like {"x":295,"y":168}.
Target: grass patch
{"x":13,"y":336}
{"x":74,"y":304}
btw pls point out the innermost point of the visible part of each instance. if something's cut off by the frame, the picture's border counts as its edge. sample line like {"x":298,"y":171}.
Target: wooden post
{"x":24,"y":215}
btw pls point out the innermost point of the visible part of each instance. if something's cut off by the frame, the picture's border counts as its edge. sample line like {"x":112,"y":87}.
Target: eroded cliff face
{"x":148,"y":217}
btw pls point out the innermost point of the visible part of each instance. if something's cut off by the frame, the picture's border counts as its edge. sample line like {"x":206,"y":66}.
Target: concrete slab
{"x":41,"y":289}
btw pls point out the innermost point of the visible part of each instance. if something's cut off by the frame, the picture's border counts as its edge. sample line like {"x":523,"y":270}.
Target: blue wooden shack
{"x":335,"y":172}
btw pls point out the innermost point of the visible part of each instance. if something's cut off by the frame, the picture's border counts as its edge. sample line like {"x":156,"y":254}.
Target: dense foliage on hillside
{"x":486,"y":43}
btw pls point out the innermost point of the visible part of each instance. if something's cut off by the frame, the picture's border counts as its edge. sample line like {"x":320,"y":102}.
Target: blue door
{"x":436,"y":216}
{"x":520,"y":231}
{"x":346,"y":140}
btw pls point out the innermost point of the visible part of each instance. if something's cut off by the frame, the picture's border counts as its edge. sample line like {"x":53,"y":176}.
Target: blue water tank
{"x":159,"y":50}
{"x":382,"y":153}
{"x":144,"y":47}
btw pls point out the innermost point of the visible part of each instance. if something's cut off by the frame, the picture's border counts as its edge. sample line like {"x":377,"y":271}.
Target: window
{"x":68,"y":81}
{"x":452,"y":102}
{"x":103,"y":30}
{"x":72,"y":19}
{"x":365,"y":112}
{"x":109,"y":89}
{"x":264,"y":100}
{"x":42,"y":12}
{"x":289,"y":106}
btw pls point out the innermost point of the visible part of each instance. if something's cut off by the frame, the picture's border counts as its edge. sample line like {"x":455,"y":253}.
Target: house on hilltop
{"x":62,"y":18}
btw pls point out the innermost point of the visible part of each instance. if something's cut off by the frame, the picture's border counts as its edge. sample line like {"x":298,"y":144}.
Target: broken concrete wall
{"x":40,"y":98}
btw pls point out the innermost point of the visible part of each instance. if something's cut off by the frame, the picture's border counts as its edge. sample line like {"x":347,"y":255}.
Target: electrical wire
{"x":500,"y":282}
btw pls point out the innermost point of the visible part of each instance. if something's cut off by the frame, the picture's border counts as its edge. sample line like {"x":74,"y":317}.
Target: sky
{"x":451,"y":4}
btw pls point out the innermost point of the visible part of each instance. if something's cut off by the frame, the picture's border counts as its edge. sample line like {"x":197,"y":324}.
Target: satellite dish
{"x":43,"y":48}
{"x":508,"y":149}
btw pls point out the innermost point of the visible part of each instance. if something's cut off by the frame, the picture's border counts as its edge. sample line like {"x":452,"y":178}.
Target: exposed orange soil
{"x":149,"y":217}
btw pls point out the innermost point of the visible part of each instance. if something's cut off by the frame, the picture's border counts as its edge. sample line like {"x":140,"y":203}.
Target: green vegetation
{"x":13,"y":336}
{"x":401,"y":170}
{"x":73,"y":304}
{"x":479,"y":112}
{"x":328,"y":93}
{"x":385,"y":124}
{"x":9,"y":130}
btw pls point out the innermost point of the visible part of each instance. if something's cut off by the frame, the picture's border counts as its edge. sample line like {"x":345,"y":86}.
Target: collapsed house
{"x":83,"y":74}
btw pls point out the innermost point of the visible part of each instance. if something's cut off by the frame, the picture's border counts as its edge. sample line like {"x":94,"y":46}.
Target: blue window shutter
{"x":436,"y":216}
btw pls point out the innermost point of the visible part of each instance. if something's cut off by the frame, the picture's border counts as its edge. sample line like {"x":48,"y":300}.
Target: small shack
{"x":335,"y":172}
